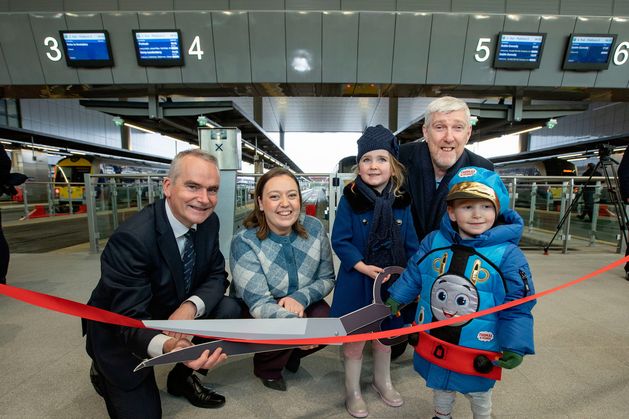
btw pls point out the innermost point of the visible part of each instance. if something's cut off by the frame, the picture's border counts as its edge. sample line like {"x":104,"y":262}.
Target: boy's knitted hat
{"x":476,"y":182}
{"x":377,"y":138}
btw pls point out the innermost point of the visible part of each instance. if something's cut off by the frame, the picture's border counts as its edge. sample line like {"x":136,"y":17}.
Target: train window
{"x":71,"y":174}
{"x":346,"y":165}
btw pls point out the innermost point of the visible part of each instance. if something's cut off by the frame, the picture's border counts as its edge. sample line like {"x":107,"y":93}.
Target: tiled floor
{"x":581,"y":369}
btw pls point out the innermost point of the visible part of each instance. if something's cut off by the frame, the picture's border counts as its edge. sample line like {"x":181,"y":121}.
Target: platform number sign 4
{"x":195,"y":48}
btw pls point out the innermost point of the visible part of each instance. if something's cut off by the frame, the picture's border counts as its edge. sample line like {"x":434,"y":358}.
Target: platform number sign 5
{"x":482,"y":50}
{"x":55,"y":53}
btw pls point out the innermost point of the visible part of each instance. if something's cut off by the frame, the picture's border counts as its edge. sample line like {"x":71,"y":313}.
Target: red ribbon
{"x":70,"y":307}
{"x":92,"y":313}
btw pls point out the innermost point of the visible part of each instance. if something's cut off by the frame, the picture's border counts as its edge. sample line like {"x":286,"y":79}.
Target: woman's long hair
{"x":256,"y":217}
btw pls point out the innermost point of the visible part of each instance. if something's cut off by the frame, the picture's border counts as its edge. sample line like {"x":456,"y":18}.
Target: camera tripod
{"x":608,"y":166}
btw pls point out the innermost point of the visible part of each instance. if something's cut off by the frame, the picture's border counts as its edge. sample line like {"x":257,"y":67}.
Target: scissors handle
{"x":377,"y":283}
{"x":377,"y":298}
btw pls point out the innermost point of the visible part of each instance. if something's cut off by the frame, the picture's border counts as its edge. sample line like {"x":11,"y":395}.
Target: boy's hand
{"x":509,"y":360}
{"x":393,"y":305}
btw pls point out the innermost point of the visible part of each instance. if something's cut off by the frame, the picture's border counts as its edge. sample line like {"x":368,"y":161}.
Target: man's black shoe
{"x":192,"y":389}
{"x":95,"y":379}
{"x":274,"y":383}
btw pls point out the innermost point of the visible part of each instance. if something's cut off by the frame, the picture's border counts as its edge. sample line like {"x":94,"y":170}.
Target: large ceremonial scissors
{"x":364,"y":320}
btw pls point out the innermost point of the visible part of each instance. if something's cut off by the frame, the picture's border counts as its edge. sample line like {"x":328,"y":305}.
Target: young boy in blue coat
{"x":471,"y":263}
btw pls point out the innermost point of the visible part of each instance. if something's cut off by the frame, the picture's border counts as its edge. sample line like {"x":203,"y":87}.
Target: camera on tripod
{"x":608,"y":166}
{"x":605,"y":151}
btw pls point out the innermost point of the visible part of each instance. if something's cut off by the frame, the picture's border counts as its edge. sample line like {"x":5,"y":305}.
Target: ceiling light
{"x":525,"y":130}
{"x":139,"y":128}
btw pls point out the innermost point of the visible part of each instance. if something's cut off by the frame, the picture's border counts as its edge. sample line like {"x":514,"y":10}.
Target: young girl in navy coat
{"x":373,"y":229}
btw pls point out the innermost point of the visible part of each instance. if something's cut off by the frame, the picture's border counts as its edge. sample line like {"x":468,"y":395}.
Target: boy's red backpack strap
{"x":458,"y":358}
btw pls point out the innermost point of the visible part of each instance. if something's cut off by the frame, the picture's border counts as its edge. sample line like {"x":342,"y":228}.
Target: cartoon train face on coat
{"x":453,"y":296}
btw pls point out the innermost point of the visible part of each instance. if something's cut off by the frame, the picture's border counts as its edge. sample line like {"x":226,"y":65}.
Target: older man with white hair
{"x":430,"y":164}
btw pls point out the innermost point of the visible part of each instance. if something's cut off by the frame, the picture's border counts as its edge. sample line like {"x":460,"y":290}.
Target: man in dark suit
{"x":431,"y":164}
{"x":164,"y":263}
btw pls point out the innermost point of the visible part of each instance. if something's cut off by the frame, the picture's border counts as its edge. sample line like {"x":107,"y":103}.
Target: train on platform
{"x":346,"y":165}
{"x":68,"y":177}
{"x":552,"y":166}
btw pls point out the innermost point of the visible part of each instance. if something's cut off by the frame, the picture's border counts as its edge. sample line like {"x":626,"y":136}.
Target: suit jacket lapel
{"x":168,"y":248}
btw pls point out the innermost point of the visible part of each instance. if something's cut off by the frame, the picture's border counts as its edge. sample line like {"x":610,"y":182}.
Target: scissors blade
{"x":366,"y":319}
{"x":254,"y":329}
{"x":193,"y":352}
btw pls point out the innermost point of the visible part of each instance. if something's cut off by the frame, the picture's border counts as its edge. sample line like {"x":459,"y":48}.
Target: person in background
{"x":8,"y":182}
{"x":588,"y":193}
{"x":623,"y":181}
{"x":432,"y":163}
{"x":373,"y":229}
{"x":471,"y":263}
{"x":281,"y":265}
{"x":163,"y":263}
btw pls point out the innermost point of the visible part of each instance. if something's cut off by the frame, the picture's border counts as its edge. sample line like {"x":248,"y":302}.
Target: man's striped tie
{"x":188,"y":259}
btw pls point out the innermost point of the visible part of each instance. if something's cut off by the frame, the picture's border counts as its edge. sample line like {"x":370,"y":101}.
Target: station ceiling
{"x":320,"y":66}
{"x":178,"y":117}
{"x":337,"y":107}
{"x":179,"y":120}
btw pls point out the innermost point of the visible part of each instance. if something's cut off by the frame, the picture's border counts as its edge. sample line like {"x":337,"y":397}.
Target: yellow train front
{"x":69,"y":181}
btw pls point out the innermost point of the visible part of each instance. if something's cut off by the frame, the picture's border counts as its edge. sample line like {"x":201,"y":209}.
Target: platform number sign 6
{"x":621,"y":55}
{"x":55,"y":53}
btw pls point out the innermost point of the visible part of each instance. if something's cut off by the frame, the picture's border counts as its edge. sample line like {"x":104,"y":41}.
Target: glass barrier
{"x":543,"y":203}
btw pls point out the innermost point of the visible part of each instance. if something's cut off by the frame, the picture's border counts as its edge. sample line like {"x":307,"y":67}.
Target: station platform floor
{"x":580,"y":370}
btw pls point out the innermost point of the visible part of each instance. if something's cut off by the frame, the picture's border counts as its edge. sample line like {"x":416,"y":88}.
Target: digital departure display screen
{"x":158,"y":48}
{"x":589,"y":51}
{"x":519,"y":51}
{"x":89,"y":49}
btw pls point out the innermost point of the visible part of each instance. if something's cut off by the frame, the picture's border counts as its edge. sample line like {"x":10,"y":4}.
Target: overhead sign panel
{"x":87,"y":48}
{"x":158,"y":48}
{"x":519,"y":51}
{"x":589,"y":52}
